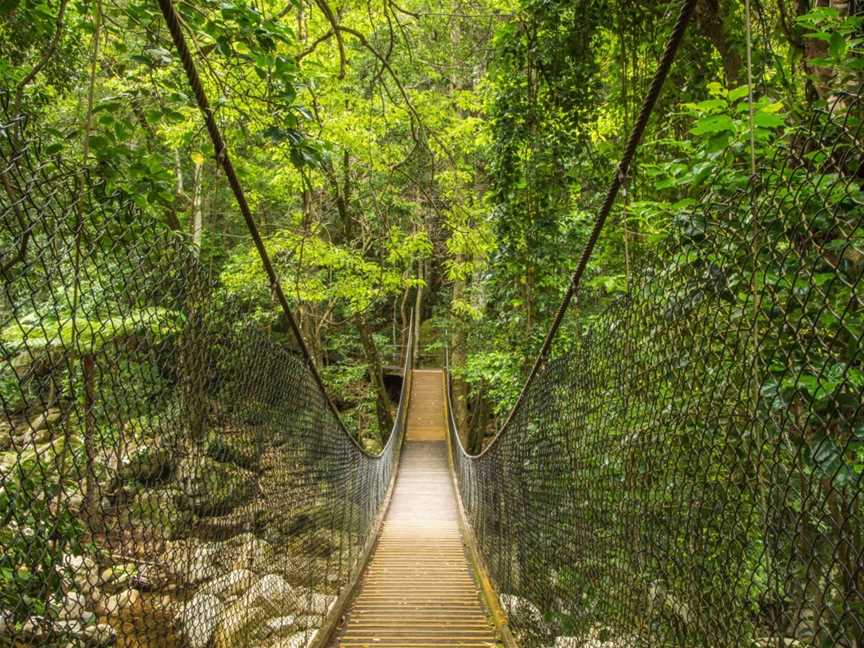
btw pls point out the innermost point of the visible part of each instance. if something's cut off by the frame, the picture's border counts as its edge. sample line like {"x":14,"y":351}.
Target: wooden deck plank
{"x":418,"y":590}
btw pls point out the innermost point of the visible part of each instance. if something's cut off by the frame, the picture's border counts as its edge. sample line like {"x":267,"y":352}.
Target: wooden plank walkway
{"x":418,"y":590}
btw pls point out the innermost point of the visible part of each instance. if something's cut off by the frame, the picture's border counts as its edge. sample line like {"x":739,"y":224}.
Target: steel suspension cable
{"x":223,"y":159}
{"x":665,"y":65}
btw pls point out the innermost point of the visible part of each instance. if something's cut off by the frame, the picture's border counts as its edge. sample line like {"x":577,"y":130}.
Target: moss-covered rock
{"x":212,"y":488}
{"x":158,"y":510}
{"x":239,"y":449}
{"x":148,"y":466}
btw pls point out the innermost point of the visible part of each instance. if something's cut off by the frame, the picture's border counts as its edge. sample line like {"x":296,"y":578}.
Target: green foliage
{"x":36,"y":536}
{"x":36,"y":332}
{"x":841,"y":33}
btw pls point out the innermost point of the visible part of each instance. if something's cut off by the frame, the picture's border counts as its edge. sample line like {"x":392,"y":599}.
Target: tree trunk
{"x":479,"y":423}
{"x":406,"y":322}
{"x":712,"y":23}
{"x":457,"y":359}
{"x":376,"y":376}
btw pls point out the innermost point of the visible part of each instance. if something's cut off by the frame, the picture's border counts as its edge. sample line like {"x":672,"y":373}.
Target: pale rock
{"x":125,"y":599}
{"x":100,"y":634}
{"x":75,"y":502}
{"x":298,"y":640}
{"x":238,"y":622}
{"x":318,"y":603}
{"x":151,"y":577}
{"x":273,"y":593}
{"x":280,"y":624}
{"x":249,"y":552}
{"x":34,"y":627}
{"x":230,"y":584}
{"x":270,"y":596}
{"x":597,"y":637}
{"x":207,"y":561}
{"x":522,"y":609}
{"x":72,"y":606}
{"x":199,"y":618}
{"x":68,"y":626}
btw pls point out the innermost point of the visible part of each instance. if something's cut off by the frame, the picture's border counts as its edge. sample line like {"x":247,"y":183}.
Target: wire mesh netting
{"x":171,"y":472}
{"x":688,"y":472}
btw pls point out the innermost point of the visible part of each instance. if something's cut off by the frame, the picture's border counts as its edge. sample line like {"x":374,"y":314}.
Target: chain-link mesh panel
{"x":172,"y":475}
{"x":689,"y":471}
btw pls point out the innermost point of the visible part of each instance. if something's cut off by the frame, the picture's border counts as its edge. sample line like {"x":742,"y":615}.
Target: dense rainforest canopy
{"x":443,"y":157}
{"x":450,"y":154}
{"x":459,"y":148}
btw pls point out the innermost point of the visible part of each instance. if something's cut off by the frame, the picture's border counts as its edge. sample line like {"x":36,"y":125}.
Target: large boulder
{"x":320,"y":603}
{"x":239,"y":449}
{"x":199,"y":618}
{"x":159,"y":510}
{"x":212,"y":488}
{"x":191,"y":561}
{"x":298,"y":640}
{"x":120,"y":602}
{"x":231,"y":584}
{"x":521,"y":611}
{"x":147,"y":466}
{"x":280,"y":625}
{"x":271,"y":596}
{"x":274,"y":593}
{"x":240,"y":625}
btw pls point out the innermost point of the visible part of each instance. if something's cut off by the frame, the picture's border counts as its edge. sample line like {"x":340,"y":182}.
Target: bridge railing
{"x":171,"y":472}
{"x":686,"y":469}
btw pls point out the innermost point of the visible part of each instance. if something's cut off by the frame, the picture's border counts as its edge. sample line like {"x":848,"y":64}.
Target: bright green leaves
{"x":135,"y":171}
{"x":713,"y":124}
{"x":719,"y":149}
{"x":153,"y":57}
{"x":768,"y":120}
{"x":87,"y":333}
{"x":727,"y":113}
{"x":318,"y":271}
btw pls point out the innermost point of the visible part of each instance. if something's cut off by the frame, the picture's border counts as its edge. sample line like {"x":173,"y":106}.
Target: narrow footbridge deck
{"x":418,"y":589}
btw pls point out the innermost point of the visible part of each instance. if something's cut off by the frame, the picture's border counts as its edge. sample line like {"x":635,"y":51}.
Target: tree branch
{"x":314,"y":45}
{"x":413,"y":111}
{"x":334,"y":24}
{"x":46,"y":56}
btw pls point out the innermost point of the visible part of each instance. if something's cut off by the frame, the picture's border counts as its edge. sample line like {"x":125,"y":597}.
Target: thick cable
{"x":663,"y":68}
{"x":172,"y":20}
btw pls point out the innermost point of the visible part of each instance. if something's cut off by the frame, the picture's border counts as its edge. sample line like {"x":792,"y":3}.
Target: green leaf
{"x":709,"y":105}
{"x":99,"y":142}
{"x":768,"y":120}
{"x":738,"y":93}
{"x":837,"y":46}
{"x":713,"y":124}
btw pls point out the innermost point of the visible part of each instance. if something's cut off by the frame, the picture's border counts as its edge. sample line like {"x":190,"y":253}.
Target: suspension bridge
{"x":688,"y":472}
